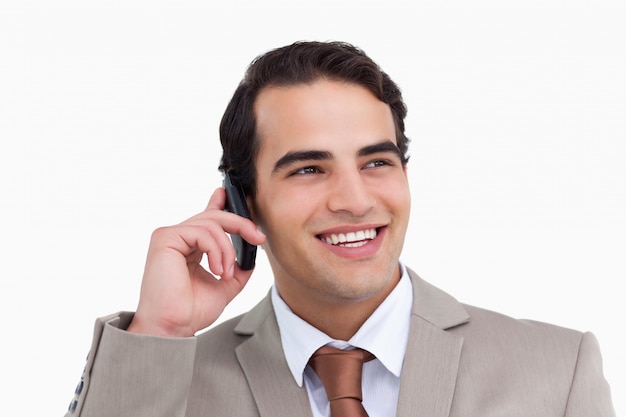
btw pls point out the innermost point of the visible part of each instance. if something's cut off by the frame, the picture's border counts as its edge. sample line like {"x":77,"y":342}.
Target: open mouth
{"x":350,"y":239}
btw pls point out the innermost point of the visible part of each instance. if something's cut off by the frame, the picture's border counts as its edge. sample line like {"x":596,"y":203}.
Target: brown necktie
{"x":340,"y":372}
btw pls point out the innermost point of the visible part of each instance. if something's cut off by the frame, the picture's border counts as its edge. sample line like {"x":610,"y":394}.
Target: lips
{"x":350,"y":239}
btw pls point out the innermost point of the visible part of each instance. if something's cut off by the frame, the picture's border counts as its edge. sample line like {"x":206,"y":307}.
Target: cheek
{"x":278,"y":215}
{"x":397,"y":197}
{"x":405,"y":199}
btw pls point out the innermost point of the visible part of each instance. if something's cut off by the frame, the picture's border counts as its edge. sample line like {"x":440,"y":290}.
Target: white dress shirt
{"x":385,"y":334}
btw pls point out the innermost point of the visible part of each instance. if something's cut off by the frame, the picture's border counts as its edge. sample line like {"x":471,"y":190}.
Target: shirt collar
{"x":385,"y":333}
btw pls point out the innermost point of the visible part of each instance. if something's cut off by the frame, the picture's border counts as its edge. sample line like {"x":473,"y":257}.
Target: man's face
{"x":332,"y":193}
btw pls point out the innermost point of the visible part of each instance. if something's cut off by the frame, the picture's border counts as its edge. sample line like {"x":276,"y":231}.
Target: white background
{"x":108,"y":124}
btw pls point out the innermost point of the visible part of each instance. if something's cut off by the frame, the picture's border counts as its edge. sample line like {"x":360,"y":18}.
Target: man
{"x":315,"y":135}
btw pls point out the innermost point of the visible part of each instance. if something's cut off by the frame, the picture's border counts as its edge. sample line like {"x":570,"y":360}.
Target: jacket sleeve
{"x":590,"y":394}
{"x":133,"y":375}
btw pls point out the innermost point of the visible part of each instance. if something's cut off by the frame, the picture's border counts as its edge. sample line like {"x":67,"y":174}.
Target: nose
{"x":350,"y":193}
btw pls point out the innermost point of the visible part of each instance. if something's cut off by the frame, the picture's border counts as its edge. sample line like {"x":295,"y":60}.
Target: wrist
{"x":147,"y":327}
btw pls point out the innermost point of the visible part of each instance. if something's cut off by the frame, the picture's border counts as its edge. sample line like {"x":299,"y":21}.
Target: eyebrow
{"x":386,"y":146}
{"x":294,"y":157}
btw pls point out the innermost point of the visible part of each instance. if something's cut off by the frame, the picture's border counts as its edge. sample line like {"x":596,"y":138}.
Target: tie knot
{"x":340,"y":371}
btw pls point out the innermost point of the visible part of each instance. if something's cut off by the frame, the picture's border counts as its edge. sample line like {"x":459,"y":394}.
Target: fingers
{"x":193,"y":240}
{"x":217,"y":200}
{"x":178,"y":295}
{"x":206,"y":233}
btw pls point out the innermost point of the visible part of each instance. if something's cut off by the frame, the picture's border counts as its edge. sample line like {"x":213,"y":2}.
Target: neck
{"x":339,"y":322}
{"x":339,"y":319}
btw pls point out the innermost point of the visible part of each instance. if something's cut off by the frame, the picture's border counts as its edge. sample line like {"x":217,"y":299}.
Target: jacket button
{"x":79,"y":388}
{"x":72,"y":406}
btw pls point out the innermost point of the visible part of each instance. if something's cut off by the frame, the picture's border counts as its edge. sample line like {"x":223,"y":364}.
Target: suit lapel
{"x":263,"y":362}
{"x":429,"y":371}
{"x":431,"y":362}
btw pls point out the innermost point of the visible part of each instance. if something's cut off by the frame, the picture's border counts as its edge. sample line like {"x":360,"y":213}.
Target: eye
{"x":378,"y":163}
{"x":308,"y":170}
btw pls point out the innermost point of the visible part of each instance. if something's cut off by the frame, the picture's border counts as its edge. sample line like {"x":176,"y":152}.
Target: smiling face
{"x":332,"y":194}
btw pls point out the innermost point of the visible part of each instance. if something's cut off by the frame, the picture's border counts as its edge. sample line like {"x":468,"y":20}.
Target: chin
{"x":362,"y":286}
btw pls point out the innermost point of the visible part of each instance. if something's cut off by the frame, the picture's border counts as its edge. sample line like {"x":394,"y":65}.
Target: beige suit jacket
{"x":461,"y":361}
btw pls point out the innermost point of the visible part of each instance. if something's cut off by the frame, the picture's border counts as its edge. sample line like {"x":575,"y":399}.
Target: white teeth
{"x":349,"y":239}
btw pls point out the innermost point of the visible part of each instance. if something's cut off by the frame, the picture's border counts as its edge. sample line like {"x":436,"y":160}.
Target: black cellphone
{"x":236,"y":203}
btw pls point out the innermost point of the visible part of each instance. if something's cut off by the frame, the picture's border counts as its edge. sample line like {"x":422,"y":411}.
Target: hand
{"x":178,"y":296}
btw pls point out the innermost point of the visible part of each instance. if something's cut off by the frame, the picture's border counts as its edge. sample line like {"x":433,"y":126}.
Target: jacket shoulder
{"x":494,"y":326}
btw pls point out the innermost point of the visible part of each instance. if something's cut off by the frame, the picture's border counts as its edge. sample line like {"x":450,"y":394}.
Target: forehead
{"x":328,"y":115}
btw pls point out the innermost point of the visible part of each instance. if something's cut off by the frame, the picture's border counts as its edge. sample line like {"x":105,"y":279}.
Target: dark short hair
{"x":298,"y":63}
